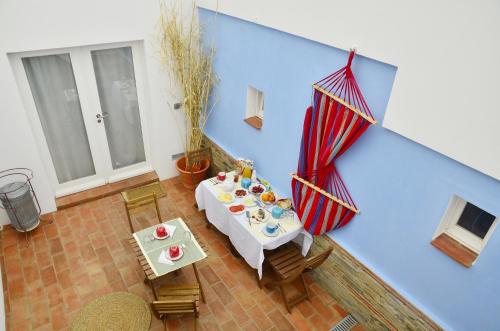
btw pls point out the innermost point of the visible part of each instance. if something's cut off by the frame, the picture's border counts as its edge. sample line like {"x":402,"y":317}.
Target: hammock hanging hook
{"x":351,"y":56}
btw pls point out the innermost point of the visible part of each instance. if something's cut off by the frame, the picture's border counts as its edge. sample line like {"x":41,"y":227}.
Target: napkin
{"x":164,"y":259}
{"x":170,"y":229}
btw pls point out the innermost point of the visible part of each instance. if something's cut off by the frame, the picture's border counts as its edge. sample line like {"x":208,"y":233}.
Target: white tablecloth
{"x":247,"y":239}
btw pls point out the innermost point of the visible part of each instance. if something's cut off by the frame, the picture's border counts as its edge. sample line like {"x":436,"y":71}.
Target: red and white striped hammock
{"x":337,"y":117}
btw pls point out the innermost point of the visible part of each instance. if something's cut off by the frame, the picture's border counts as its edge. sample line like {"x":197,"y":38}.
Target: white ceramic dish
{"x":238,"y":212}
{"x":265,"y":232}
{"x":254,"y":185}
{"x":267,"y":202}
{"x":248,"y":202}
{"x":253,"y":217}
{"x":160,"y":238}
{"x":219,"y":197}
{"x":227,"y":185}
{"x":240,"y":197}
{"x":282,"y":205}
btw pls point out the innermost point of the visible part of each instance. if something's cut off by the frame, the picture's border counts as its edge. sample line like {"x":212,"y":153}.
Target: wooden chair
{"x":289,"y":265}
{"x":177,"y":300}
{"x":139,"y":202}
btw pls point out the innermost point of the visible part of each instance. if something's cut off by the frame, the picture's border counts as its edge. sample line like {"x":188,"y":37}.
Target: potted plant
{"x":190,"y":62}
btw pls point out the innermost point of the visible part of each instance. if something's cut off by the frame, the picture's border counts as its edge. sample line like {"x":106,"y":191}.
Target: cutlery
{"x":247,"y":213}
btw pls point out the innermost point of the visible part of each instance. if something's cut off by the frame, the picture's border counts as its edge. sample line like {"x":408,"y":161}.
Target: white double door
{"x":86,"y":107}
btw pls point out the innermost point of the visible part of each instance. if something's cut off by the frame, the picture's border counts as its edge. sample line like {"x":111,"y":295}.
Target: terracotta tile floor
{"x":84,"y":254}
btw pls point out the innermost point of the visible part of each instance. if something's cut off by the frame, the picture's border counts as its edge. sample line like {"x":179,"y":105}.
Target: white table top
{"x":248,"y":240}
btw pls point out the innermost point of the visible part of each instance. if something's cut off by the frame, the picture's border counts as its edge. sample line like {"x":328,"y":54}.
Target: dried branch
{"x":183,"y":51}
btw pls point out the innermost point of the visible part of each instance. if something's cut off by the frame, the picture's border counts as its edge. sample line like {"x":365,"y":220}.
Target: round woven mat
{"x":119,"y":311}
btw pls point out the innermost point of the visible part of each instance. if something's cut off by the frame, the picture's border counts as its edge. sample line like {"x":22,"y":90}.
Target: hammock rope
{"x":337,"y":117}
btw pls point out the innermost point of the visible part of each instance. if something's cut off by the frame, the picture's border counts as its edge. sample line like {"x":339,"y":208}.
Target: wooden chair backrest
{"x":174,"y":306}
{"x":200,"y":155}
{"x":177,"y":299}
{"x":142,"y":201}
{"x":316,"y":260}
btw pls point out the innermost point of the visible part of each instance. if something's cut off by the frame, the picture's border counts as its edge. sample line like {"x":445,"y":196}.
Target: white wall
{"x":446,"y":51}
{"x":35,"y":25}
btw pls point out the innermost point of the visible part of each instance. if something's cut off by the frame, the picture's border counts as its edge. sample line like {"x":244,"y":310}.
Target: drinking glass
{"x":186,"y":240}
{"x":148,"y":239}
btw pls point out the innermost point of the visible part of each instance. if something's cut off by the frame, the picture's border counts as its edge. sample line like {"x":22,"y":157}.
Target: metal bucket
{"x":17,"y":199}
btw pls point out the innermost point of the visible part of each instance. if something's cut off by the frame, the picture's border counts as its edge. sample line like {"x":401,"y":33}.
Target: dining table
{"x":249,"y":238}
{"x":156,"y":250}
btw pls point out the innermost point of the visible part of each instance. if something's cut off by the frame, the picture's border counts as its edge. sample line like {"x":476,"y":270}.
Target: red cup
{"x":221,"y":176}
{"x":174,"y":251}
{"x":161,"y":231}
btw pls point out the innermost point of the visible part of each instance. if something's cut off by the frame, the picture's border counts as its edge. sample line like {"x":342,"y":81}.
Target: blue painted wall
{"x":401,"y":187}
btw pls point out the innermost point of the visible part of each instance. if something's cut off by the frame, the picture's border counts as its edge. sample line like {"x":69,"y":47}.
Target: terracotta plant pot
{"x":191,"y":179}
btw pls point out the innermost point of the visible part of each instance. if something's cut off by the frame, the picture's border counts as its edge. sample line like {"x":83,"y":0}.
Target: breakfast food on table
{"x":264,"y":182}
{"x":225,"y":197}
{"x":285,"y":204}
{"x":240,"y":193}
{"x":249,"y":202}
{"x":221,"y":176}
{"x":247,"y":172}
{"x":257,"y":189}
{"x":259,"y":215}
{"x":242,"y":164}
{"x":268,"y":197}
{"x":236,"y":208}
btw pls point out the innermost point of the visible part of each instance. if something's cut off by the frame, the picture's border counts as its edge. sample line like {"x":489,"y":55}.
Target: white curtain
{"x":114,"y":72}
{"x":56,"y":99}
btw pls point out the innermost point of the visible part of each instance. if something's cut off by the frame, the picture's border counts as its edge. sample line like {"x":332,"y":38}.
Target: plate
{"x":285,"y":204}
{"x":181,"y":253}
{"x":225,"y":197}
{"x":253,"y":217}
{"x":255,"y":185}
{"x":274,"y":234}
{"x":268,"y":202}
{"x":160,"y":238}
{"x":249,"y":202}
{"x":238,"y":212}
{"x":240,"y":196}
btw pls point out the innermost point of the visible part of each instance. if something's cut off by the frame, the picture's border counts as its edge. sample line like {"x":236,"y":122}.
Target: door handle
{"x":102,"y":116}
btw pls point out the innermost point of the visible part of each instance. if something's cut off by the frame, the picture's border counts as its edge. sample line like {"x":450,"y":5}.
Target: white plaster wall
{"x":447,"y":51}
{"x":33,"y":25}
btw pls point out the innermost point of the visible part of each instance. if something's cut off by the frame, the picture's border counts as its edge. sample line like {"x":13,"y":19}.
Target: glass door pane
{"x":54,"y":91}
{"x":114,"y":72}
